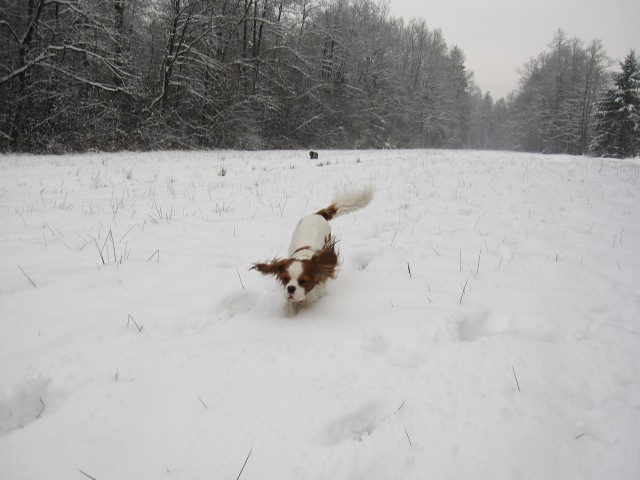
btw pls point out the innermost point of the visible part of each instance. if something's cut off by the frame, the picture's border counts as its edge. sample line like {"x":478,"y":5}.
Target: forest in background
{"x":78,"y":75}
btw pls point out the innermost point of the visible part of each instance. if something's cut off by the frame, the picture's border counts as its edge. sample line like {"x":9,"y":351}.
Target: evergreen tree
{"x":618,"y":115}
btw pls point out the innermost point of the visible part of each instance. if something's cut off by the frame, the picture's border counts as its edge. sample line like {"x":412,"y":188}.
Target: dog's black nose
{"x":291,"y":289}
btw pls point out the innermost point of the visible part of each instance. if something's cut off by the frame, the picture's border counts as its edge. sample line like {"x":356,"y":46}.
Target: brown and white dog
{"x":313,"y":258}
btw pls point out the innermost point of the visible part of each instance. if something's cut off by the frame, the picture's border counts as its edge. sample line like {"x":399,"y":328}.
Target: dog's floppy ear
{"x":274,"y":267}
{"x":324,"y":262}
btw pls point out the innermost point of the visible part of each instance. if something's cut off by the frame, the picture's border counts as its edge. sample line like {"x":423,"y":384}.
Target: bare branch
{"x":13,"y":32}
{"x":36,"y":61}
{"x":101,"y":86}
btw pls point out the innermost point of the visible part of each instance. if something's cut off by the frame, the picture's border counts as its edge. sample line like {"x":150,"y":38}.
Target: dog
{"x":313,"y":258}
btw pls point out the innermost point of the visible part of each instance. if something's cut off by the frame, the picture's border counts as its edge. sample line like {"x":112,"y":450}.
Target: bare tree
{"x":553,"y":108}
{"x":241,"y":73}
{"x":63,"y":65}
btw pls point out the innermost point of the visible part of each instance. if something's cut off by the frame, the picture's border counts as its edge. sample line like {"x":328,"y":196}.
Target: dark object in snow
{"x":313,"y":155}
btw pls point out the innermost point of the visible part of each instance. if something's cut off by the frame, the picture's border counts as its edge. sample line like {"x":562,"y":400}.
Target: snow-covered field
{"x":485,"y":323}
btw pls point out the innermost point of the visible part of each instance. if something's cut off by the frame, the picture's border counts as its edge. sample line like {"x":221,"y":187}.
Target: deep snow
{"x":484,"y":324}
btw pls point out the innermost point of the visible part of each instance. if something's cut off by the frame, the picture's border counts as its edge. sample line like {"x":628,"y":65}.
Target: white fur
{"x":311,"y":232}
{"x":349,"y":201}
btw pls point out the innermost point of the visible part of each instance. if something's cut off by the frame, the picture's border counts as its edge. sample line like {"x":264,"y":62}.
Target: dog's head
{"x":300,"y":276}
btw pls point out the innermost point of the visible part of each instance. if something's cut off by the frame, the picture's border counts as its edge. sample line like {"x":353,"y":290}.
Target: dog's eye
{"x":285,"y":280}
{"x":302,"y":282}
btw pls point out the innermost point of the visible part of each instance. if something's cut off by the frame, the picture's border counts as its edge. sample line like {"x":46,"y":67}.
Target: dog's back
{"x":309,"y":236}
{"x":313,"y":231}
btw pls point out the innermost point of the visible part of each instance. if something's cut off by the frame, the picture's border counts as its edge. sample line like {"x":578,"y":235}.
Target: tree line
{"x":79,"y":75}
{"x":561,"y":101}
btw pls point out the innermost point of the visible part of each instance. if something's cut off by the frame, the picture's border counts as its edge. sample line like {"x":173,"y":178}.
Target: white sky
{"x":499,"y":36}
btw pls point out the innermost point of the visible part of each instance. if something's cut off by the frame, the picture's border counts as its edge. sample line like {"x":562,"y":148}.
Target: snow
{"x":484,"y":324}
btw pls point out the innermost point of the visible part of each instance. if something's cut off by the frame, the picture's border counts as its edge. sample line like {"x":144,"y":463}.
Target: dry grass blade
{"x":245,"y":464}
{"x":407,"y":433}
{"x":139,"y":327}
{"x":516,"y":377}
{"x":99,"y":250}
{"x":87,"y":475}
{"x":463,"y":290}
{"x":28,"y":277}
{"x":401,"y":405}
{"x":241,"y":283}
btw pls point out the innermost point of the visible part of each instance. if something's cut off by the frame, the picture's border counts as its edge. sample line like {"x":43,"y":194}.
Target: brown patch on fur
{"x":323,"y":264}
{"x":306,"y":280}
{"x":329,"y":212}
{"x":276,"y":267}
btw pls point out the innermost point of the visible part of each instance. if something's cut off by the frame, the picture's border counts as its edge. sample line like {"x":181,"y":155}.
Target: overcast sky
{"x":498,"y":36}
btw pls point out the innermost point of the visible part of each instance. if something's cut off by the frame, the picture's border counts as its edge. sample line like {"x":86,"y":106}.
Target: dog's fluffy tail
{"x":347,"y":201}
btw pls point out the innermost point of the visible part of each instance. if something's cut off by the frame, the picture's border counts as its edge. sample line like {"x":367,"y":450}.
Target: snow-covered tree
{"x":618,"y":115}
{"x":134,"y":74}
{"x":552,"y":110}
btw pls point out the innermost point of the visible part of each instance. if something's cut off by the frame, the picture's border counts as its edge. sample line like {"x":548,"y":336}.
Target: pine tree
{"x":618,"y":116}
